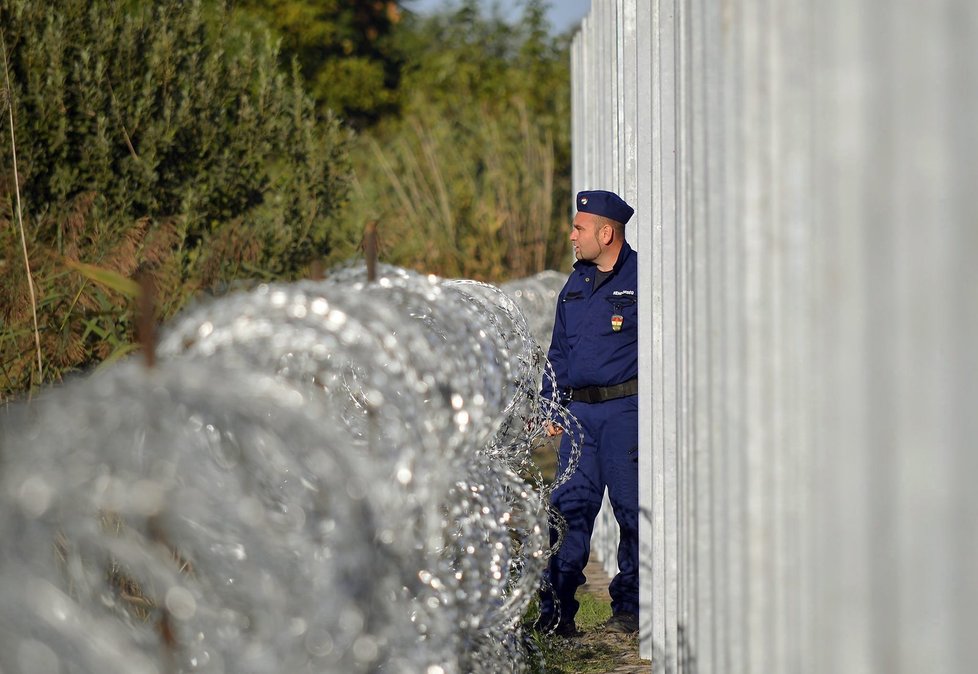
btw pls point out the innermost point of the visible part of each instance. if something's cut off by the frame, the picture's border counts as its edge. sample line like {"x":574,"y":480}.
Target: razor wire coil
{"x":329,"y":476}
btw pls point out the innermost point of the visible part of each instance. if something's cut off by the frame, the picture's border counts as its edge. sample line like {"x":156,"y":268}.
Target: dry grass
{"x":20,"y":212}
{"x":470,"y":199}
{"x":596,"y":651}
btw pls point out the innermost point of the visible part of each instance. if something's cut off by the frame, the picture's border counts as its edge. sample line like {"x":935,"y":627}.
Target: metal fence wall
{"x":806,"y":192}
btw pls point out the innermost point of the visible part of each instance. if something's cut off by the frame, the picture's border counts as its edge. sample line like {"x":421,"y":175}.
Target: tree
{"x":160,"y":137}
{"x":473,"y":178}
{"x":344,"y":50}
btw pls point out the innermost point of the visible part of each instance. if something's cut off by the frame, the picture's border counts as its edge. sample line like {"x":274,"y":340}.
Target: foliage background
{"x":471,"y":178}
{"x":202,"y":144}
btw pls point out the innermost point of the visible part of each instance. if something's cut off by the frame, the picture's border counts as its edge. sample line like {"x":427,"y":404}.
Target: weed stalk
{"x":20,"y":213}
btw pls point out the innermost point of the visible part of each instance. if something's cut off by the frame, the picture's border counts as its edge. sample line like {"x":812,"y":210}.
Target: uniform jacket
{"x":585,"y":349}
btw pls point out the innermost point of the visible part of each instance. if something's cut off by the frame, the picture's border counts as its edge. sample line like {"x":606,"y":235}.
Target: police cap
{"x":604,"y":203}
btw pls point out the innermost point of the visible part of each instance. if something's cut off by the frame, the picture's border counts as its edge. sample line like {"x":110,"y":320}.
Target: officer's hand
{"x":552,"y":428}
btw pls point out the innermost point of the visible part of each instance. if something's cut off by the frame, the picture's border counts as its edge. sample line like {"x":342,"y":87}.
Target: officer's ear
{"x":607,"y":233}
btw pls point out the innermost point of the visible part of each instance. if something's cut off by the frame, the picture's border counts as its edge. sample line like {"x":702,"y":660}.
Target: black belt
{"x":598,"y":394}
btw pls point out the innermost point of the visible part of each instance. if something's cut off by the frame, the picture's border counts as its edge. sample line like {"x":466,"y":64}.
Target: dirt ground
{"x":622,"y":648}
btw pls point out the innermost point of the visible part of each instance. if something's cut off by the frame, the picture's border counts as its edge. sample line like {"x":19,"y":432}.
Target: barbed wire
{"x":329,"y":476}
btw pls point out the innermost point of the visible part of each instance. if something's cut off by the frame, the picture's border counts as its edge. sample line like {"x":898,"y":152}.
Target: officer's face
{"x":584,"y":236}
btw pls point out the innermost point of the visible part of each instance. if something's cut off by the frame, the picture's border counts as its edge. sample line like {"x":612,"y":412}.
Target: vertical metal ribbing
{"x":604,"y":542}
{"x":843,"y":529}
{"x":730,"y":436}
{"x":665,"y":328}
{"x":958,"y":131}
{"x":600,"y":85}
{"x":805,"y":218}
{"x":793,"y":51}
{"x":578,"y":112}
{"x":699,"y":651}
{"x":629,"y":115}
{"x":709,"y":211}
{"x":652,"y":624}
{"x":662,"y":441}
{"x":910,"y":334}
{"x":753,"y":218}
{"x":616,"y":77}
{"x":613,"y":33}
{"x":686,"y":580}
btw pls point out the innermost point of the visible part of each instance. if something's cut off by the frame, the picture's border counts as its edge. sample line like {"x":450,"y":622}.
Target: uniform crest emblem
{"x":616,"y":322}
{"x":583,"y":201}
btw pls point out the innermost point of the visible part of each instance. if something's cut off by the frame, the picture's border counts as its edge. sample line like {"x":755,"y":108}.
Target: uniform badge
{"x":616,"y":321}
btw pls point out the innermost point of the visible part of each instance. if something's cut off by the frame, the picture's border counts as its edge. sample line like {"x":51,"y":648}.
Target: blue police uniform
{"x":594,"y":353}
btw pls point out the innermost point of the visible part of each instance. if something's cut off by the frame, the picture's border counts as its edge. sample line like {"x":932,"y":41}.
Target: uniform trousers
{"x":609,"y":459}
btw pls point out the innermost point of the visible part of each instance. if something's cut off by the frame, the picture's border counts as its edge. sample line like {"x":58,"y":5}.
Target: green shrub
{"x":345,"y":51}
{"x":149,"y":136}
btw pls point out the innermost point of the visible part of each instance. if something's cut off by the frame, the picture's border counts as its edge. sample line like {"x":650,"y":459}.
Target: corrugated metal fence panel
{"x":652,"y":630}
{"x":806,"y":193}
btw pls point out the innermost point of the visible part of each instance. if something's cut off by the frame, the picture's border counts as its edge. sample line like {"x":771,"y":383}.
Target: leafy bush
{"x":344,"y":49}
{"x":149,"y":136}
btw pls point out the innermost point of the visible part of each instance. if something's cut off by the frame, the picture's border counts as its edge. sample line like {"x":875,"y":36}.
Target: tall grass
{"x":465,"y":194}
{"x":7,"y":99}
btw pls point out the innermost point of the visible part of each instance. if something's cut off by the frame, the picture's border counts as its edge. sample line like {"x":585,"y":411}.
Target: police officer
{"x":594,"y":353}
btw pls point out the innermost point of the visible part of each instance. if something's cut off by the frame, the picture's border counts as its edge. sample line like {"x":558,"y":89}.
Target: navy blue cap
{"x":604,"y":203}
